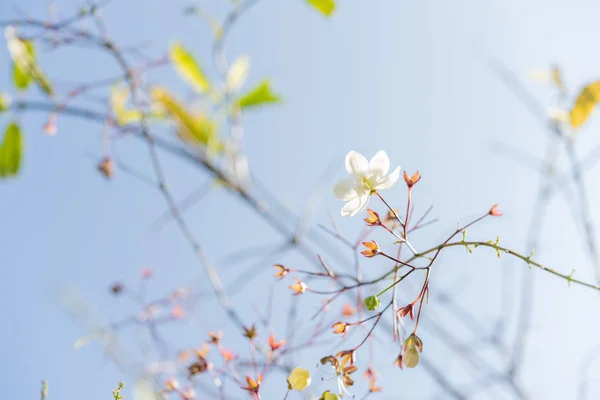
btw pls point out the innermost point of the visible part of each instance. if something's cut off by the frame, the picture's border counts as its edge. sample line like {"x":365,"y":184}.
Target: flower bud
{"x":372,"y":303}
{"x":411,"y":357}
{"x":340,"y":328}
{"x":372,"y":249}
{"x":494,"y":212}
{"x":327,"y":395}
{"x":373,"y":218}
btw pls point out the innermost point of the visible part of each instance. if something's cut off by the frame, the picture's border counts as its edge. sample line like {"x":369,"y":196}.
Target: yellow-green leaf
{"x":4,"y":101}
{"x":260,"y":95}
{"x":192,"y":128}
{"x":21,"y":79}
{"x":188,"y":68}
{"x":25,"y":69}
{"x":326,"y":7}
{"x":585,"y":104}
{"x":118,"y":99}
{"x":10,"y":151}
{"x":238,"y":72}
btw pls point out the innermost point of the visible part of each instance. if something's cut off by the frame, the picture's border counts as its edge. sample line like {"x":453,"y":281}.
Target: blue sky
{"x":399,"y":76}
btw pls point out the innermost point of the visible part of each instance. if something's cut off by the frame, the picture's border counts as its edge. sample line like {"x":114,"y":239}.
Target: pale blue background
{"x":395,"y":75}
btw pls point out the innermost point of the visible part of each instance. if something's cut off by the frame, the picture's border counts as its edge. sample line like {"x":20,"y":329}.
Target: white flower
{"x":367,"y":178}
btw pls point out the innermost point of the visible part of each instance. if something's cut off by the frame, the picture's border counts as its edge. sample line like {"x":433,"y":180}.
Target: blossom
{"x":299,"y":379}
{"x":281,"y":271}
{"x":372,"y":249}
{"x":116,"y":288}
{"x":188,"y":394}
{"x":299,"y":287}
{"x":373,"y":218}
{"x":250,"y":333}
{"x":227,"y":355}
{"x":411,"y":181}
{"x":494,"y":212}
{"x":340,"y":327}
{"x":253,"y":385}
{"x":177,"y":312}
{"x":407,"y":310}
{"x":172,"y":384}
{"x":275,"y":344}
{"x":343,"y":364}
{"x":106,"y":167}
{"x":146,"y":273}
{"x":215,"y":338}
{"x":366,"y":179}
{"x":202,"y":352}
{"x":348,"y":310}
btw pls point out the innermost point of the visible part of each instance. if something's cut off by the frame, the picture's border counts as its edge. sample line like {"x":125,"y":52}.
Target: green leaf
{"x":25,"y":69}
{"x":260,"y":95}
{"x":10,"y":151}
{"x":197,"y":129}
{"x":22,"y":62}
{"x":326,"y":7}
{"x":189,"y":70}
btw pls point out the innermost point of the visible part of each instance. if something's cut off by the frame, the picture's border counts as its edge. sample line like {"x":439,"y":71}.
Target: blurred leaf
{"x":10,"y":151}
{"x":79,"y":343}
{"x":585,"y":104}
{"x":4,"y":101}
{"x":118,"y":99}
{"x":25,"y":68}
{"x":188,"y":68}
{"x":44,"y":83}
{"x":214,"y":24}
{"x":196,"y":129}
{"x":260,"y":95}
{"x":326,"y":7}
{"x":22,"y":61}
{"x":238,"y":72}
{"x":557,"y":79}
{"x":143,"y":390}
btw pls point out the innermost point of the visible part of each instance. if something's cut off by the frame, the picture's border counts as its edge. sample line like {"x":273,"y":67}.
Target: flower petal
{"x":379,"y":165}
{"x":355,"y":205}
{"x":345,"y":189}
{"x":388,"y":181}
{"x":356,"y":164}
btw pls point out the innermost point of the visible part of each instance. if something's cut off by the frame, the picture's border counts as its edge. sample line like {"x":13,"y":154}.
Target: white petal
{"x":388,"y":181}
{"x":379,"y":165}
{"x":345,"y":189}
{"x":355,"y":205}
{"x":356,"y":164}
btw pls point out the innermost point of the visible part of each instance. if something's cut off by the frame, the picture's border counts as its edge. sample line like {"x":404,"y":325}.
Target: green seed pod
{"x":372,"y":303}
